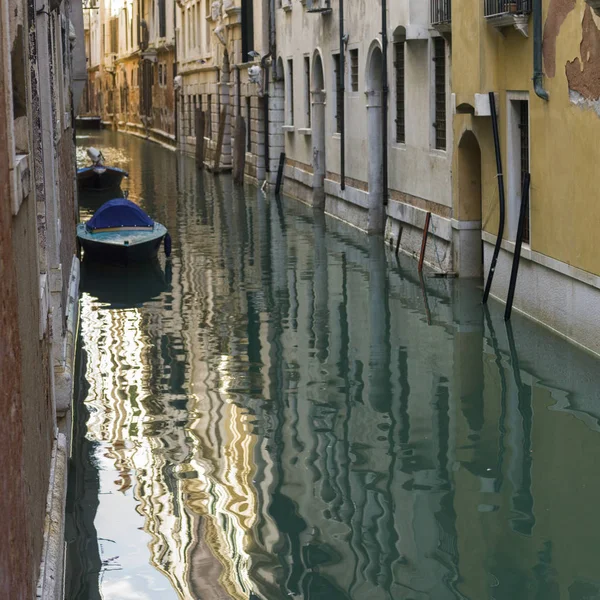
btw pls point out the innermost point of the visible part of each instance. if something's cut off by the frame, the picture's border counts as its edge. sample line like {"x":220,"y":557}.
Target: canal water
{"x":285,"y":409}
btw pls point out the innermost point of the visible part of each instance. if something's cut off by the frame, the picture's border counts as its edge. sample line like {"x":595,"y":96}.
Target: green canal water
{"x":283,"y":409}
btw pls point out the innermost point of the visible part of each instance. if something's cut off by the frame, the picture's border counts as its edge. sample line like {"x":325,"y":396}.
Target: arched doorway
{"x":468,"y":259}
{"x":374,"y":95}
{"x":318,"y":131}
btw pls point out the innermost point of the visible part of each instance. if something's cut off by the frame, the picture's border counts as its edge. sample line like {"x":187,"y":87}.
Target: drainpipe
{"x":271,"y":54}
{"x":265,"y":67}
{"x":342,"y":91}
{"x":384,"y":100}
{"x":537,"y":51}
{"x":175,"y":102}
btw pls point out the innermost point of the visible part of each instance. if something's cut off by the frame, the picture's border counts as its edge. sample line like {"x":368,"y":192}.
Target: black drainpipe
{"x":342,"y":91}
{"x":488,"y":283}
{"x":384,"y":100}
{"x":266,"y":108}
{"x":538,"y":85}
{"x":263,"y":62}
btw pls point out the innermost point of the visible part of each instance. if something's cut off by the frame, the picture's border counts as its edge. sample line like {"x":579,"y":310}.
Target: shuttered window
{"x":339,"y":97}
{"x":400,"y":115}
{"x":439,"y":57}
{"x":307,"y":90}
{"x":354,"y":70}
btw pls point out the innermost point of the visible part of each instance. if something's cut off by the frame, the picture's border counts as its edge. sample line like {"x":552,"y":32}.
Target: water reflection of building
{"x":303,"y":425}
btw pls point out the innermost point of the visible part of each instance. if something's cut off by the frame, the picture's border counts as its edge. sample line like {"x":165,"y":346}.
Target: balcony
{"x":508,"y":13}
{"x":441,"y":15}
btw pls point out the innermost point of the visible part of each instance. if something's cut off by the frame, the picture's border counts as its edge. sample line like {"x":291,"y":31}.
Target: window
{"x":307,"y":90}
{"x":162,"y":19}
{"x":354,"y":70}
{"x":290,"y":92}
{"x":439,"y":58}
{"x":247,"y":29}
{"x":524,"y":156}
{"x":248,"y":128}
{"x":339,"y":94}
{"x":400,"y":83}
{"x":114,"y":35}
{"x":207,"y":37}
{"x":518,"y":160}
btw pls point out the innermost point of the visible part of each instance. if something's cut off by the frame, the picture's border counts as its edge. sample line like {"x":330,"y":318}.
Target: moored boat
{"x":120,"y":231}
{"x":98,"y":176}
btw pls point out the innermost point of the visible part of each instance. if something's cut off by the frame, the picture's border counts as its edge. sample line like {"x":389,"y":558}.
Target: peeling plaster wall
{"x":564,"y":131}
{"x":583,"y":72}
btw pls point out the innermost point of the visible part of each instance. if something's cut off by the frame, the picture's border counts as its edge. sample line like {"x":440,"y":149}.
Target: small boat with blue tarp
{"x":98,"y":176}
{"x":120,"y":231}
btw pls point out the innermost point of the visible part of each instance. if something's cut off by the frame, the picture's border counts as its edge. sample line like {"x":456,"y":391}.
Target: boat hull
{"x":100,"y":178}
{"x":121,"y":247}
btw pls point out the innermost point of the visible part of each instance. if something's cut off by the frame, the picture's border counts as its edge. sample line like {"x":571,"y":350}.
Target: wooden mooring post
{"x":239,"y":149}
{"x":220,"y":136}
{"x":424,"y":242}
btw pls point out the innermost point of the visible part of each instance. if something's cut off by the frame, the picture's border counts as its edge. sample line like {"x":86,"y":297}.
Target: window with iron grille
{"x":354,"y":70}
{"x":290,"y":92}
{"x":307,"y":90}
{"x":339,"y":97}
{"x":162,"y":18}
{"x":439,"y":57}
{"x":524,"y":139}
{"x":400,"y":116}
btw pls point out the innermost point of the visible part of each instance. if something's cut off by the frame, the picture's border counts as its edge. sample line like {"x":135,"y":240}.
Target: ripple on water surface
{"x":283,"y":409}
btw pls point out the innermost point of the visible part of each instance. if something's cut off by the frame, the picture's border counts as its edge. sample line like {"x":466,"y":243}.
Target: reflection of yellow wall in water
{"x":564,"y":539}
{"x":117,"y":371}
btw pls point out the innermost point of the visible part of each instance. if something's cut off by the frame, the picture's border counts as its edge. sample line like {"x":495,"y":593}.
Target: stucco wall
{"x":564,"y":132}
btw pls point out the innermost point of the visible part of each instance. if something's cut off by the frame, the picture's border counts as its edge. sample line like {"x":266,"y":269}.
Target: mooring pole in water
{"x":490,"y":277}
{"x":518,"y":244}
{"x":424,"y":242}
{"x":280,"y":173}
{"x":398,"y":240}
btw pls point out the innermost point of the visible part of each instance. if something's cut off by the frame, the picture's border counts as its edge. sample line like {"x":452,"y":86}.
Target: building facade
{"x":131,"y":66}
{"x":380,"y":130}
{"x":42,"y":74}
{"x":543,"y":70}
{"x":367,"y":128}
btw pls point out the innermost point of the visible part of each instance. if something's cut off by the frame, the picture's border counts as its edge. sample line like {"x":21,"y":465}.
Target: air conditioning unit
{"x":318,"y":6}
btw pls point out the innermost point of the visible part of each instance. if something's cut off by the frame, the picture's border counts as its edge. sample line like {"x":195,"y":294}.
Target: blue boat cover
{"x":119,"y":212}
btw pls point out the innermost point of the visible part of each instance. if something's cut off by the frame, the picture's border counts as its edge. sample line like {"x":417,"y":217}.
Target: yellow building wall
{"x":564,"y":137}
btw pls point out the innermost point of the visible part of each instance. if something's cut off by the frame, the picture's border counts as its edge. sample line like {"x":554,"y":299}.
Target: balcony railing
{"x":441,"y":14}
{"x":493,"y":8}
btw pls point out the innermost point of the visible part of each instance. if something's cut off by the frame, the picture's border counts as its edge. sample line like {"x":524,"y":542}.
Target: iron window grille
{"x":307,"y":86}
{"x":524,"y":135}
{"x":354,"y":70}
{"x":439,"y":57}
{"x":400,"y":85}
{"x":290,"y":91}
{"x":339,"y":98}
